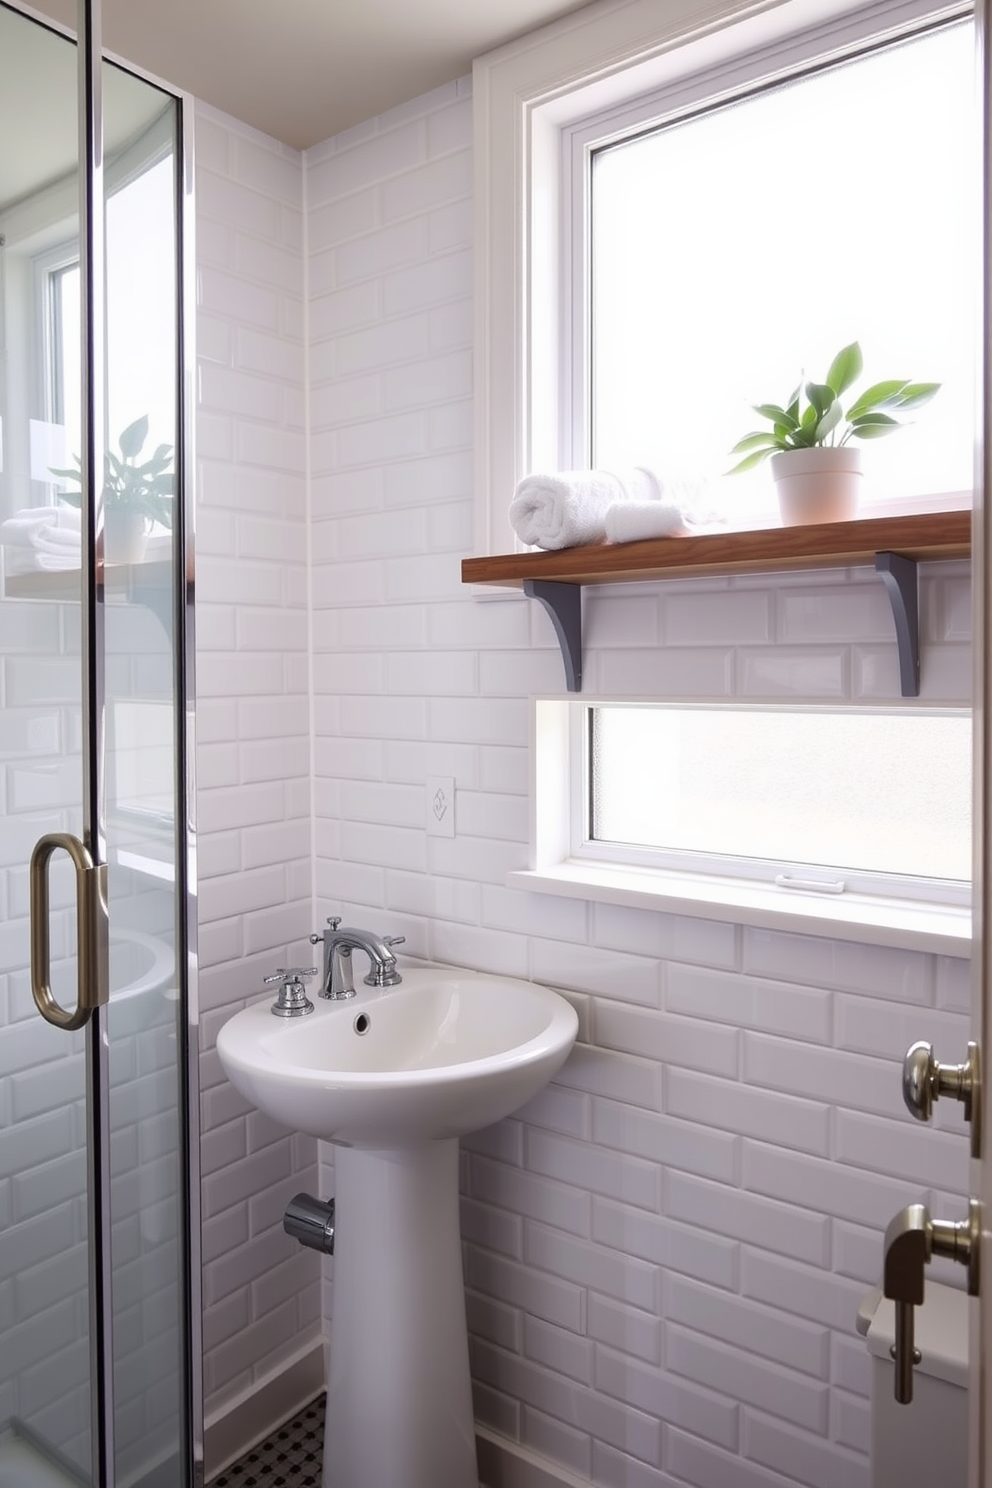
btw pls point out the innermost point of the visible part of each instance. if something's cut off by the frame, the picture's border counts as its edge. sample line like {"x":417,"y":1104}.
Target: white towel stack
{"x":574,"y":507}
{"x":568,"y":509}
{"x":679,"y":511}
{"x":42,"y":538}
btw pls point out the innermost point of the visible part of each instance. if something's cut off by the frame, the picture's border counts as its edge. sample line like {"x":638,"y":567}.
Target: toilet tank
{"x":926,"y":1442}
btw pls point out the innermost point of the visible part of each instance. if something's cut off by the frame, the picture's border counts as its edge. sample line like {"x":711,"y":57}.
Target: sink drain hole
{"x":362,"y":1023}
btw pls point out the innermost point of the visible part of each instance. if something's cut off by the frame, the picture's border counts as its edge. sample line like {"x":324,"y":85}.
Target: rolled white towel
{"x":680,"y":510}
{"x":53,"y":531}
{"x":29,"y":560}
{"x":630,"y":521}
{"x":568,"y":509}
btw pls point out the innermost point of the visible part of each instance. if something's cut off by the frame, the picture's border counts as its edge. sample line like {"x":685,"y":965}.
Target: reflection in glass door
{"x":143,"y":1017}
{"x":94,"y":1269}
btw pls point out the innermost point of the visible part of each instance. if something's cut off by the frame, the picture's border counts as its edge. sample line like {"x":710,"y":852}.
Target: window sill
{"x":941,"y":929}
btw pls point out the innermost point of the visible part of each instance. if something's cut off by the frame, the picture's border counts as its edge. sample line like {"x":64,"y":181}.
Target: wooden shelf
{"x":149,"y":584}
{"x":892,"y":545}
{"x":834,"y":545}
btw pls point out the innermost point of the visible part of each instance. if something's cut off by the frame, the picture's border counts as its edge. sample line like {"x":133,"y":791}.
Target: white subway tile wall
{"x":665,"y":1251}
{"x":260,"y":1291}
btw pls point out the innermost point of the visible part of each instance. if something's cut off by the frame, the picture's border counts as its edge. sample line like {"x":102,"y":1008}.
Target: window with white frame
{"x":826,"y":800}
{"x":140,"y":250}
{"x":679,"y":218}
{"x":663,"y":241}
{"x":850,"y":822}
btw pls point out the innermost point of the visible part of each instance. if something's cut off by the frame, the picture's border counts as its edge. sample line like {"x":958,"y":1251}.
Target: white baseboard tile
{"x":506,"y":1464}
{"x":249,"y":1419}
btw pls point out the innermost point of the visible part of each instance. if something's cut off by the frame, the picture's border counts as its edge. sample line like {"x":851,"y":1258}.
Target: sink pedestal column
{"x":399,"y":1397}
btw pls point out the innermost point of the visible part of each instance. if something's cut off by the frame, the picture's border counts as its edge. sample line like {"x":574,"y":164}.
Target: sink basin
{"x":445,"y":1053}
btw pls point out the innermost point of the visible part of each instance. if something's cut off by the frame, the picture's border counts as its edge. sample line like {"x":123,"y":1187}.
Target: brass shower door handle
{"x":92,"y":934}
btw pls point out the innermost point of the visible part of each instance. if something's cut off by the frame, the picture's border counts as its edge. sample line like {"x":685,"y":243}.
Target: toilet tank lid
{"x":941,"y":1329}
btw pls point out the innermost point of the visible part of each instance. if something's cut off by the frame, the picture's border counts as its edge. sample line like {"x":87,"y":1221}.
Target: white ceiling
{"x":303,"y":70}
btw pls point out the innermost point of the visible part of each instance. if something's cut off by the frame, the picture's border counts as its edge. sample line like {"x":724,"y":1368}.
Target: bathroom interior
{"x":289,"y":712}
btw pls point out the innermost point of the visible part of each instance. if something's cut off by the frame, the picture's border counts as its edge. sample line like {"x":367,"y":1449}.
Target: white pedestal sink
{"x":394,"y":1078}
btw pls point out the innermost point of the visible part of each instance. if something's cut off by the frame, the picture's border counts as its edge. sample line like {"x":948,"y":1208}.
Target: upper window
{"x":736,"y":250}
{"x":699,"y":220}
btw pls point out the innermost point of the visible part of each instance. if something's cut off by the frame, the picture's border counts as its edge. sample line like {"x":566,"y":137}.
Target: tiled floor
{"x":293,"y":1455}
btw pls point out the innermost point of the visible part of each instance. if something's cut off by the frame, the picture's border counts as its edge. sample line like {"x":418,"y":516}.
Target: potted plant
{"x":134,"y":495}
{"x":816,"y":470}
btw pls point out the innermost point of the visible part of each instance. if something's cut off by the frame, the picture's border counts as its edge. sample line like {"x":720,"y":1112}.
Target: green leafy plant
{"x":815,"y":416}
{"x":147,"y":489}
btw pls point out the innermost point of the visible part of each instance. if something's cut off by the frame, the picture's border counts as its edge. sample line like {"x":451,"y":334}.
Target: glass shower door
{"x":46,"y":1397}
{"x":94,"y":1268}
{"x":144,"y":1018}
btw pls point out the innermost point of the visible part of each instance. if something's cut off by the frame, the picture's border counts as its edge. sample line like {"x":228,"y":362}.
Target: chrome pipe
{"x":311,"y":1222}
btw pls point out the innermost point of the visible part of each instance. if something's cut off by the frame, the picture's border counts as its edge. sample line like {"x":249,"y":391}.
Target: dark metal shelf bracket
{"x":901,"y":579}
{"x":563,"y":603}
{"x":900,"y":575}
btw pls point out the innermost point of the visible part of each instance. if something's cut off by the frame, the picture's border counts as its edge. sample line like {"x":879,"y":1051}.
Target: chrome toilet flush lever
{"x":292,"y":1001}
{"x":924,"y":1081}
{"x":911,"y":1239}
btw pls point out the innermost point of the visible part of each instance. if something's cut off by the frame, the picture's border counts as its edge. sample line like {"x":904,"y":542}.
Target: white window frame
{"x":532,"y":100}
{"x":715,"y":864}
{"x":529,"y":98}
{"x":559,"y":778}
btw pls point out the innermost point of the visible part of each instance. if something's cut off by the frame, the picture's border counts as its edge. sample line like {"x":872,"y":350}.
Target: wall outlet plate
{"x":440,"y":806}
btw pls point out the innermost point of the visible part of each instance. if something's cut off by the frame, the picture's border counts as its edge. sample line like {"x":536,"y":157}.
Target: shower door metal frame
{"x":184,"y":578}
{"x":92,"y":268}
{"x":90,"y":59}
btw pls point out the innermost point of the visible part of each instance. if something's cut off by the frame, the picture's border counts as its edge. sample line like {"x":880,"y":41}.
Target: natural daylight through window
{"x":736,"y":250}
{"x":839,"y":799}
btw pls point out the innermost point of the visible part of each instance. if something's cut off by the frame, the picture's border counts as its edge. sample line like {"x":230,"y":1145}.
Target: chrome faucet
{"x":339,"y":976}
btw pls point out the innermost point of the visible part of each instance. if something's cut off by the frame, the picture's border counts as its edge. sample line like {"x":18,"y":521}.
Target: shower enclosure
{"x":99,"y":1360}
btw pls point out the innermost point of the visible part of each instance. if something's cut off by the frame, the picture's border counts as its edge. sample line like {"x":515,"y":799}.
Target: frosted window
{"x":868,"y":792}
{"x":736,"y":251}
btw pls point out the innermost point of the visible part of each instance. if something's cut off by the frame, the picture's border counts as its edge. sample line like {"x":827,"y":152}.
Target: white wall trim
{"x":247,"y":1420}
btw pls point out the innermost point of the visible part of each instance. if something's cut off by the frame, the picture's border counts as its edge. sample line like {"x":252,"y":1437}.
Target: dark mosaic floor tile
{"x":292,"y":1457}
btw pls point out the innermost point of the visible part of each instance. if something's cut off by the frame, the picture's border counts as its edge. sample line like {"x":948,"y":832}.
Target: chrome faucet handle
{"x":292,"y":1001}
{"x":333,"y":922}
{"x":385,"y":976}
{"x":911,"y":1239}
{"x":289,"y":974}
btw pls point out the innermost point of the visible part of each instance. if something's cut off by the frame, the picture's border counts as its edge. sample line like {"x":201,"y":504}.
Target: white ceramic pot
{"x":817,"y":485}
{"x":125,"y":536}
